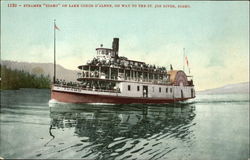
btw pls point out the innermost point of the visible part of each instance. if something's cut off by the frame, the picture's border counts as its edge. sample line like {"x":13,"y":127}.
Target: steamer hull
{"x":74,"y":95}
{"x":92,"y":98}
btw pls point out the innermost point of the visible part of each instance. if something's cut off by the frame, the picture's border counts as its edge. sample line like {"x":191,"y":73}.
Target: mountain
{"x":228,"y":89}
{"x":42,"y":68}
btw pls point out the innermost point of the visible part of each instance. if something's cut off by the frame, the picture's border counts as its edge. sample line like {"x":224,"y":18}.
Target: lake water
{"x":208,"y":127}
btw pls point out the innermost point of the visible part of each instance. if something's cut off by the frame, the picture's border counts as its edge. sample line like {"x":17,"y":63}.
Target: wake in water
{"x":215,"y":99}
{"x":53,"y":102}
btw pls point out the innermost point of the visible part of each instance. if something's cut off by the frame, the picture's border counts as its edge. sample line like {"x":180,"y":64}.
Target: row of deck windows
{"x":138,"y":89}
{"x":166,"y":90}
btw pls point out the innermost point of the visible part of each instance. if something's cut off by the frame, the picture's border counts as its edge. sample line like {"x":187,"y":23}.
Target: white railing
{"x":79,"y":88}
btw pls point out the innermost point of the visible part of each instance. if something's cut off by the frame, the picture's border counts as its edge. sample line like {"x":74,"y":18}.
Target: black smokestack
{"x":115,"y":45}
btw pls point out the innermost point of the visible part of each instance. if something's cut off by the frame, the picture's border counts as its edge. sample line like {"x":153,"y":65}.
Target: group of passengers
{"x":116,"y":62}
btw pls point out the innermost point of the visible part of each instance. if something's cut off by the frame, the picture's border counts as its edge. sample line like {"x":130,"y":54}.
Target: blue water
{"x":208,"y":127}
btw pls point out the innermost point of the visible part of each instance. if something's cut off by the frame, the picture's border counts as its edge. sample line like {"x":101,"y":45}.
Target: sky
{"x":215,"y":36}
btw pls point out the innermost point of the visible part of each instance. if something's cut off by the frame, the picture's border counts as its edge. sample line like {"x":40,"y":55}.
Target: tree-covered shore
{"x":15,"y":79}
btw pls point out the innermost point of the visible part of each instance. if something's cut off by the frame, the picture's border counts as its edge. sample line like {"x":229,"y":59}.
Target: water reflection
{"x":125,"y":131}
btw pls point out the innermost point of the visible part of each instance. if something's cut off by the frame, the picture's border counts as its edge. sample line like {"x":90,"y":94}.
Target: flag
{"x":186,"y":60}
{"x":187,"y":64}
{"x":56,"y":27}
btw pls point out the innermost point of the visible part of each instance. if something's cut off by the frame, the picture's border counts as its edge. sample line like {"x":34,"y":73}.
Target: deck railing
{"x":134,"y":79}
{"x":79,"y":88}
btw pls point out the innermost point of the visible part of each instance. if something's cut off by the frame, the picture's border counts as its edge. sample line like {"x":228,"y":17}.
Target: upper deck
{"x":108,"y":66}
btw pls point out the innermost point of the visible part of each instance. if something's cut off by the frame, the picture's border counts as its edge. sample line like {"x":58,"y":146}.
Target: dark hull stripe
{"x":70,"y":97}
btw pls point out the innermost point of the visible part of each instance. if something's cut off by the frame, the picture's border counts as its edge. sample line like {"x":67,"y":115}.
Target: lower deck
{"x":124,"y":92}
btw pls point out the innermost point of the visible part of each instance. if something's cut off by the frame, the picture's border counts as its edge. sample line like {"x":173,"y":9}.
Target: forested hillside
{"x":15,"y":79}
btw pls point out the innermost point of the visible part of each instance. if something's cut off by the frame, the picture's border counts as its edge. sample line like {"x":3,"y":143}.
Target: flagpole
{"x":54,"y":78}
{"x":184,"y":59}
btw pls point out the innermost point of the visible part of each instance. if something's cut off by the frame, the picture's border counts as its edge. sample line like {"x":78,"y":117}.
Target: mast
{"x":54,"y":77}
{"x":184,"y":59}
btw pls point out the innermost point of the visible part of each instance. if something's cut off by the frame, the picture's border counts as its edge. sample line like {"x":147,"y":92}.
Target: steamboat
{"x":110,"y":78}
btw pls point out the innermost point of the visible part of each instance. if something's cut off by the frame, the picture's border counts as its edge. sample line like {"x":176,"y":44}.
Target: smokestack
{"x":115,"y":45}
